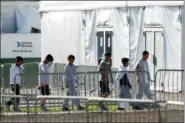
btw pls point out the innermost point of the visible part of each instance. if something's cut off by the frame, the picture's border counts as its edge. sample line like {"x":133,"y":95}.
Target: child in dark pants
{"x":105,"y":78}
{"x":15,"y":82}
{"x":44,"y":79}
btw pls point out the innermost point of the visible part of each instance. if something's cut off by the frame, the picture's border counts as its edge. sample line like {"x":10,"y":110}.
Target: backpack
{"x":124,"y":81}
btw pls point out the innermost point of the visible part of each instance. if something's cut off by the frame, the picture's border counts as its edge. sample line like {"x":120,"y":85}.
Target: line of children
{"x":70,"y":81}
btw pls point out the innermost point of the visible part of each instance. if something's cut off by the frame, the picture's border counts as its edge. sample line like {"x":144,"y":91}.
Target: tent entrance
{"x":153,"y":42}
{"x":103,"y":41}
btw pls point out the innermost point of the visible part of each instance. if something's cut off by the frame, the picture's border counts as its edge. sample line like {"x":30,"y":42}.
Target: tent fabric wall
{"x":61,"y":35}
{"x":135,"y":33}
{"x":167,"y":17}
{"x":113,"y":17}
{"x":63,"y":31}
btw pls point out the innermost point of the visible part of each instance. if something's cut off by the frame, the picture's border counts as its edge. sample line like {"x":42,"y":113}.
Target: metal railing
{"x":90,"y":113}
{"x":166,"y":86}
{"x":169,"y":85}
{"x":92,"y":85}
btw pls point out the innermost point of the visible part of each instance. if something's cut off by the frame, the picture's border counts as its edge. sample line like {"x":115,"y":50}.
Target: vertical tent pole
{"x":183,"y":51}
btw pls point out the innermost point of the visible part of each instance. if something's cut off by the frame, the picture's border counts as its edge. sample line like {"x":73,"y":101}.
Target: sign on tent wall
{"x":25,"y":45}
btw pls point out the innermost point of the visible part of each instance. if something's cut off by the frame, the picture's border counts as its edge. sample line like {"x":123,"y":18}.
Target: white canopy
{"x":49,"y":6}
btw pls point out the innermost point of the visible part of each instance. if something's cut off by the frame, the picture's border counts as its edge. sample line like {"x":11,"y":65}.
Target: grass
{"x":91,"y":107}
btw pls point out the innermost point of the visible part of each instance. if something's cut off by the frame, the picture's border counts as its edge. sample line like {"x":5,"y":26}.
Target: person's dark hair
{"x":19,"y":58}
{"x":49,"y":57}
{"x":71,"y":57}
{"x":145,"y":52}
{"x":124,"y":60}
{"x":107,"y":54}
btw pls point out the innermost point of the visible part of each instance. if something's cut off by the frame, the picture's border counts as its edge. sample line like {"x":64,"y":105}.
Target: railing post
{"x":166,"y":115}
{"x":36,"y":110}
{"x":155,"y":84}
{"x":87,"y":110}
{"x":28,"y":111}
{"x":85,"y":84}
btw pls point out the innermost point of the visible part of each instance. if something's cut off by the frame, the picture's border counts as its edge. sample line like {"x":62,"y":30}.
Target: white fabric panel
{"x":136,"y":42}
{"x":61,"y":32}
{"x":120,"y":41}
{"x":113,"y":17}
{"x":90,"y":38}
{"x":168,"y":18}
{"x":27,"y":17}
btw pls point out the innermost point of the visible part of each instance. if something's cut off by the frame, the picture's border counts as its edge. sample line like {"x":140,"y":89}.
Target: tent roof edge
{"x":58,"y":6}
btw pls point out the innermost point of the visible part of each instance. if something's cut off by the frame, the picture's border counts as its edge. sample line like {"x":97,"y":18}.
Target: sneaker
{"x":7,"y":107}
{"x":137,"y":107}
{"x":81,"y":108}
{"x":65,"y":109}
{"x":121,"y":109}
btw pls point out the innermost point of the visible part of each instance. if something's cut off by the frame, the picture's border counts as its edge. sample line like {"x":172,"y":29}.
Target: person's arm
{"x":149,"y":77}
{"x":46,"y":67}
{"x":102,"y":68}
{"x":137,"y":72}
{"x":11,"y":75}
{"x":111,"y":77}
{"x":75,"y":74}
{"x":66,"y":75}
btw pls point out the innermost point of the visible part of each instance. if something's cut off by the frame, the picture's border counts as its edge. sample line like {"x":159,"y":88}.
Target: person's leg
{"x":121,"y":95}
{"x":66,"y":101}
{"x":105,"y":93}
{"x":141,"y":89}
{"x":147,"y":91}
{"x":101,"y":89}
{"x":12,"y":100}
{"x":17,"y":92}
{"x":44,"y":91}
{"x":74,"y":93}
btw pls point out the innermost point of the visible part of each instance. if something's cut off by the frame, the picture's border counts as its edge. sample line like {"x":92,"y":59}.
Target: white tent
{"x":125,"y":28}
{"x":19,"y":16}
